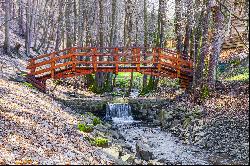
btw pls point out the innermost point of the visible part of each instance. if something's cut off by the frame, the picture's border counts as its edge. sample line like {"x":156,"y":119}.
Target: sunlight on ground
{"x":240,"y":77}
{"x":31,"y":123}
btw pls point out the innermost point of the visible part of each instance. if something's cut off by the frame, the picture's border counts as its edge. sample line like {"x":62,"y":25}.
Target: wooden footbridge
{"x":78,"y":61}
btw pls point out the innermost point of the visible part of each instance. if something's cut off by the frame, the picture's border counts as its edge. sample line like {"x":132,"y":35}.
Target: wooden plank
{"x":49,"y":69}
{"x":49,"y":61}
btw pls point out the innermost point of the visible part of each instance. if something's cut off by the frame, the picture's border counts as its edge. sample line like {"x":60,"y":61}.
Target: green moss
{"x":85,"y":127}
{"x":90,"y":114}
{"x":28,"y":84}
{"x":99,"y":141}
{"x":204,"y":92}
{"x":186,"y":122}
{"x":96,"y":121}
{"x":235,"y":62}
{"x":57,"y":82}
{"x":239,"y":77}
{"x":149,"y":87}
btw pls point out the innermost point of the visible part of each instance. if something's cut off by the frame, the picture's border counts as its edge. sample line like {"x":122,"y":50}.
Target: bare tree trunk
{"x":20,"y":17}
{"x":204,"y":45}
{"x":75,"y":23}
{"x":112,"y":31}
{"x":216,"y":45}
{"x":129,"y":14}
{"x":28,"y":21}
{"x":189,"y":26}
{"x":67,"y":24}
{"x":145,"y":77}
{"x":59,"y":25}
{"x":112,"y":37}
{"x":99,"y":76}
{"x":81,"y":22}
{"x":178,"y":11}
{"x":7,"y":28}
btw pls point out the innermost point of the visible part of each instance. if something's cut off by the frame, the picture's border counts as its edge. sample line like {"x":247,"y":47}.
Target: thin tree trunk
{"x":20,"y":17}
{"x":112,"y":38}
{"x":145,"y":77}
{"x":99,"y":76}
{"x":204,"y":45}
{"x":59,"y":25}
{"x":186,"y":48}
{"x":216,"y":46}
{"x":7,"y":28}
{"x":178,"y":9}
{"x":27,"y":41}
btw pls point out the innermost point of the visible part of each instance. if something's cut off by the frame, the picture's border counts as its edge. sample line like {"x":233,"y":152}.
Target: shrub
{"x":85,"y":127}
{"x":204,"y":92}
{"x":99,"y":141}
{"x":96,"y":121}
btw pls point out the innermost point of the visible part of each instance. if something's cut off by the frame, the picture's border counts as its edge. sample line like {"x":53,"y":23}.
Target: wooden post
{"x":116,"y":58}
{"x":52,"y":65}
{"x":74,"y":60}
{"x":94,"y":59}
{"x":138,"y":59}
{"x":159,"y":59}
{"x":33,"y":69}
{"x":153,"y":57}
{"x":178,"y":65}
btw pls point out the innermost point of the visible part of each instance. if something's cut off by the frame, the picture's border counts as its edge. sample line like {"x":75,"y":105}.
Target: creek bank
{"x":222,"y":134}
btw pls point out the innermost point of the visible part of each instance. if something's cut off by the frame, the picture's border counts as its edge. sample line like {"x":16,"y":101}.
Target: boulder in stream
{"x":143,"y":151}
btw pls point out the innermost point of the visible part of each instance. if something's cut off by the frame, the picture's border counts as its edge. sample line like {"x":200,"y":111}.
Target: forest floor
{"x":36,"y":129}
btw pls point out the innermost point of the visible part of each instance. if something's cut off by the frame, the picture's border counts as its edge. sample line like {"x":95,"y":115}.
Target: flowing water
{"x":119,"y":113}
{"x":164,"y":146}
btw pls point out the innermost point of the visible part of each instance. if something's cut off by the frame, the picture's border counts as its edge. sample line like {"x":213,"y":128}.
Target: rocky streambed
{"x":140,"y":144}
{"x":175,"y":133}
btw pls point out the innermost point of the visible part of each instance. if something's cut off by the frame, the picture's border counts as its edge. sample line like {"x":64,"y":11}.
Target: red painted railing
{"x":86,"y":60}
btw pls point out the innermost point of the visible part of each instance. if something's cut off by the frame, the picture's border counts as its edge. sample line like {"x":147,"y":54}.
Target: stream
{"x":151,"y":143}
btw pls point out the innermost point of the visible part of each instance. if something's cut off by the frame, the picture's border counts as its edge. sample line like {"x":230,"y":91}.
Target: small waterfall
{"x":119,"y":113}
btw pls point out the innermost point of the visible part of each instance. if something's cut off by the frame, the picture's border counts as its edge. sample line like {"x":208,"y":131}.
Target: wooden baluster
{"x":178,"y":65}
{"x":52,"y":65}
{"x":94,"y":59}
{"x":74,"y":60}
{"x":116,"y":58}
{"x":159,"y":59}
{"x":33,"y":69}
{"x":138,"y":59}
{"x":153,"y":57}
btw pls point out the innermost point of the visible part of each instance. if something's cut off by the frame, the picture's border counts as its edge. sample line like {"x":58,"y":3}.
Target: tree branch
{"x":241,"y":19}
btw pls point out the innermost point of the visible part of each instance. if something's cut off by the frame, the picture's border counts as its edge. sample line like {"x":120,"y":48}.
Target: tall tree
{"x":178,"y":25}
{"x":189,"y":26}
{"x":144,"y":82}
{"x":99,"y":76}
{"x":216,"y":45}
{"x":20,"y":17}
{"x":7,"y":27}
{"x":59,"y":25}
{"x":28,"y":30}
{"x":204,"y":45}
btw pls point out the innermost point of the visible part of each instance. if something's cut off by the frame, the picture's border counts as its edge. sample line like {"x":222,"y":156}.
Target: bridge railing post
{"x":33,"y":69}
{"x":116,"y":58}
{"x":72,"y":52}
{"x":138,"y":51}
{"x":159,"y":58}
{"x":52,"y":65}
{"x":94,"y":59}
{"x":178,"y":65}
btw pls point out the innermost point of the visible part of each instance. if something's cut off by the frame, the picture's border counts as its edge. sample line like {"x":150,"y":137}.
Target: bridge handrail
{"x":160,"y":58}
